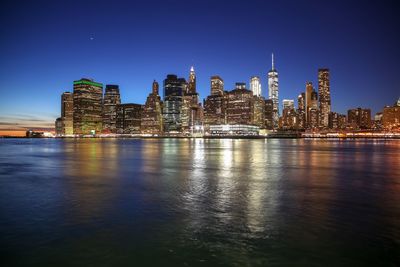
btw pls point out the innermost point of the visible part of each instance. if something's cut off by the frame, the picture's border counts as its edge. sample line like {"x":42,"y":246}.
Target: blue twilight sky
{"x":45,"y":45}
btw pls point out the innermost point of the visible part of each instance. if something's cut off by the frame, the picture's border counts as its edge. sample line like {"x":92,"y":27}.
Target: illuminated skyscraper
{"x":174,"y":90}
{"x":255,"y":85}
{"x":67,"y":113}
{"x":192,"y":81}
{"x":215,"y":104}
{"x":111,"y":100}
{"x":301,"y":111}
{"x":308,"y":92}
{"x":88,"y":102}
{"x":313,"y":112}
{"x":324,"y":97}
{"x":152,"y":122}
{"x":259,"y":111}
{"x":192,"y":111}
{"x":239,"y":106}
{"x":274,"y":92}
{"x":217,"y":85}
{"x":129,"y":118}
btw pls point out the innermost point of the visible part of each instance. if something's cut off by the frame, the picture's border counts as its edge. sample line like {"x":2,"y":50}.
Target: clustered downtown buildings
{"x":86,"y":111}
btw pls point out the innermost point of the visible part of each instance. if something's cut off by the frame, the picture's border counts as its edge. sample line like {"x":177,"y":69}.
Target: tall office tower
{"x":111,"y":100}
{"x":191,"y":108}
{"x":269,"y":114}
{"x":174,"y":89}
{"x":239,"y":106}
{"x":324,"y":97}
{"x":359,"y":118}
{"x":301,"y":111}
{"x":192,"y":81}
{"x":255,"y":85}
{"x":287,"y":103}
{"x":215,"y":104}
{"x":88,"y":102}
{"x":259,"y":111}
{"x":129,"y":118}
{"x":67,"y":113}
{"x":217,"y":85}
{"x":309,"y":90}
{"x":313,"y":112}
{"x":152,"y":121}
{"x":274,"y":91}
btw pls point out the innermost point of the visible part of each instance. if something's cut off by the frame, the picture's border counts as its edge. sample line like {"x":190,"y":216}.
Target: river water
{"x":199,"y":202}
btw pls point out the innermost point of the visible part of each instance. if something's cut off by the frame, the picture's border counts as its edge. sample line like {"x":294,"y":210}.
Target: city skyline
{"x":40,"y":62}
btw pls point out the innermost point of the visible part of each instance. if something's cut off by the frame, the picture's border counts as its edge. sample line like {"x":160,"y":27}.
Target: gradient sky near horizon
{"x":46,"y":45}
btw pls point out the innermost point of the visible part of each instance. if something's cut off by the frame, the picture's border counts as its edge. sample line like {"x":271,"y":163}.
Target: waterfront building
{"x":301,"y":113}
{"x":359,"y":118}
{"x":255,"y":86}
{"x":308,"y":93}
{"x":239,"y":107}
{"x":273,"y":92}
{"x":111,"y":100}
{"x":174,"y":89}
{"x":269,"y":114}
{"x":337,"y":121}
{"x":324,"y":97}
{"x":342,"y":121}
{"x":313,"y":119}
{"x":59,"y":127}
{"x":259,"y":111}
{"x":87,"y":103}
{"x":313,"y":116}
{"x":152,"y":120}
{"x":391,"y":117}
{"x":67,"y":113}
{"x":288,"y":121}
{"x":129,"y":118}
{"x":234,"y":130}
{"x":214,"y":110}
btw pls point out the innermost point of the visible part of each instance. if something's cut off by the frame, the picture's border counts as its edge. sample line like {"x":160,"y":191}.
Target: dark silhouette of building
{"x":59,"y":127}
{"x":129,"y":118}
{"x":67,"y":114}
{"x":269,"y":114}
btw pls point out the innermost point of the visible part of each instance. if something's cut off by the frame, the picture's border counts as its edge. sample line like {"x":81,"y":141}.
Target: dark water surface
{"x":186,"y":202}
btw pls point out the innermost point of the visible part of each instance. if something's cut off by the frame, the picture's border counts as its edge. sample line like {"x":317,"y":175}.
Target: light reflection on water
{"x":200,"y":202}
